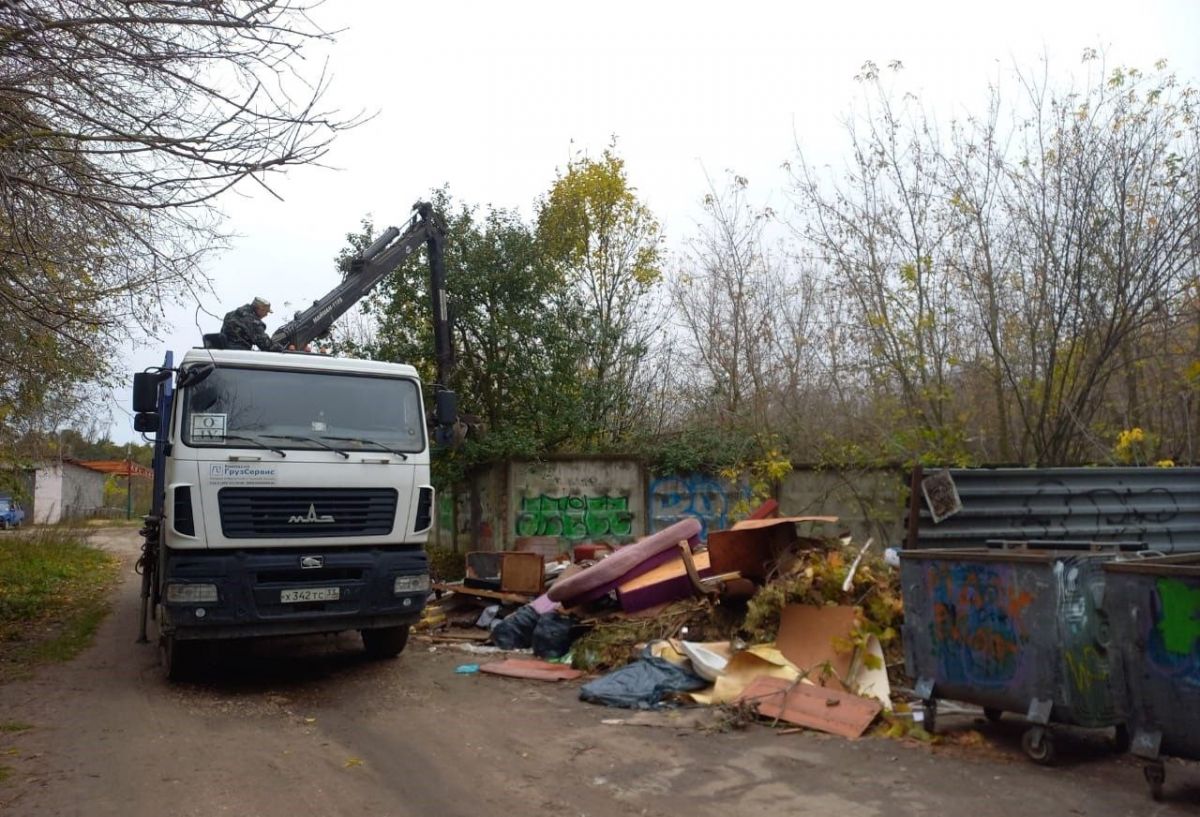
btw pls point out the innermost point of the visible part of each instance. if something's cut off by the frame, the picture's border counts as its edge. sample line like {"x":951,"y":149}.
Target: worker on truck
{"x":243,"y":328}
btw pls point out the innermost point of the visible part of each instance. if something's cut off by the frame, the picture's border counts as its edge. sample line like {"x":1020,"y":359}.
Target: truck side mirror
{"x":447,"y":408}
{"x":146,"y":422}
{"x":145,"y":391}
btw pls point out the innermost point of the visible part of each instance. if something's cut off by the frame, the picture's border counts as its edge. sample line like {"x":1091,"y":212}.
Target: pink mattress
{"x":628,"y":562}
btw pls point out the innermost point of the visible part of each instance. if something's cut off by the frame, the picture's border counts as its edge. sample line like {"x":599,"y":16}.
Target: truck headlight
{"x":191,"y":593}
{"x":411,"y":584}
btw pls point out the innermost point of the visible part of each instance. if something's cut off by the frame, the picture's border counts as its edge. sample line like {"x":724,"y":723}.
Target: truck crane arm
{"x":370,"y":266}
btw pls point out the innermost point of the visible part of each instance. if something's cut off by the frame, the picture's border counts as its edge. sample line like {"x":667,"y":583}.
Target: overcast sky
{"x":490,"y":97}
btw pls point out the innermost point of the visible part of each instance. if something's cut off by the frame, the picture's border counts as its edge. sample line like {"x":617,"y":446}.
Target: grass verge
{"x":53,"y":596}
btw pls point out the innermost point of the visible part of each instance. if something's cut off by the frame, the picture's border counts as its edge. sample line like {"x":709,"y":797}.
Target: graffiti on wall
{"x":674,"y":498}
{"x":1055,"y":511}
{"x":575,"y":517}
{"x":978,"y":624}
{"x":1173,"y":646}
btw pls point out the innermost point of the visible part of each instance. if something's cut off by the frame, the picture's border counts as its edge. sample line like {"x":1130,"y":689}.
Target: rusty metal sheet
{"x":828,"y":710}
{"x":531,"y":669}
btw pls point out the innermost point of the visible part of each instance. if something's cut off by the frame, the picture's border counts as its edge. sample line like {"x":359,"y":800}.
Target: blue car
{"x":11,"y":513}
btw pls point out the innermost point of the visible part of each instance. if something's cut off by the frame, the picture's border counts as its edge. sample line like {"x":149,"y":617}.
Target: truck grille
{"x":260,"y":513}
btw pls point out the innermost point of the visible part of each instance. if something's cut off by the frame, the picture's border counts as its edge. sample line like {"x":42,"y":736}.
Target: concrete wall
{"x":867,"y":503}
{"x":708,"y":498}
{"x":47,"y":494}
{"x":64,"y":491}
{"x":583,"y":500}
{"x":83,"y":491}
{"x":601,"y":499}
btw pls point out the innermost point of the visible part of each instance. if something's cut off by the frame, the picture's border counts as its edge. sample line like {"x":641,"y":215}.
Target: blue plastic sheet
{"x":644,"y":684}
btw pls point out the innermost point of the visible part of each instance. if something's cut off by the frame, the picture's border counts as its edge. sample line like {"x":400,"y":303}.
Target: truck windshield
{"x":262,"y":408}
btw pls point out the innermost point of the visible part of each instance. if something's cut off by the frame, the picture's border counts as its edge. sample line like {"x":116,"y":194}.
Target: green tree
{"x":607,"y":246}
{"x":516,"y":369}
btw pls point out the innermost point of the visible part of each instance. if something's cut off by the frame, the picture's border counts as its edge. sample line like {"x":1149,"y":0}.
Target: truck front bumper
{"x":293,"y":591}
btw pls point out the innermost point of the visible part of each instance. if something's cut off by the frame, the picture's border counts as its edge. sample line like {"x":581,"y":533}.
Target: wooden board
{"x":755,"y":524}
{"x":663,"y":584}
{"x":507,"y":598}
{"x":828,"y":710}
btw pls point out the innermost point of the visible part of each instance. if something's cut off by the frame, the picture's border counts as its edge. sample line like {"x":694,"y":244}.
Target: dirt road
{"x":309,"y":727}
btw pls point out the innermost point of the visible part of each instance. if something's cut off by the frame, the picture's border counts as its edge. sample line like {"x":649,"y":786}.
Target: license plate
{"x":310,"y":594}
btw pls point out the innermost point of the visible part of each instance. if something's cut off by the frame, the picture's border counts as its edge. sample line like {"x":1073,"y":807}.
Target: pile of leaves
{"x":814,"y":573}
{"x":615,"y":641}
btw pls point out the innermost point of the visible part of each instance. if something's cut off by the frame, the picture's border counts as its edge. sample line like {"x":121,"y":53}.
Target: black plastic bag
{"x":515,"y":632}
{"x":644,"y":684}
{"x":552,"y":637}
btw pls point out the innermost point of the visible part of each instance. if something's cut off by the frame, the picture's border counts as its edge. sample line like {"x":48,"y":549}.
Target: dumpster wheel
{"x":993,"y":714}
{"x":1156,"y":775}
{"x":1038,"y":744}
{"x":1121,"y":740}
{"x":929,"y":715}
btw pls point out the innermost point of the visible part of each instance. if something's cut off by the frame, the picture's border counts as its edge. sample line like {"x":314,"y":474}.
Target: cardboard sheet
{"x":745,"y":667}
{"x":807,"y":635}
{"x":871,"y":683}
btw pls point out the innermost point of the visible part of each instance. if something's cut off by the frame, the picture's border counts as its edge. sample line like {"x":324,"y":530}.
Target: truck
{"x":292,"y":490}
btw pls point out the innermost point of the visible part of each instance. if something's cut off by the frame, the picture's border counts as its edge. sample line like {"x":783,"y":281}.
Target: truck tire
{"x":176,"y":657}
{"x":385,"y":642}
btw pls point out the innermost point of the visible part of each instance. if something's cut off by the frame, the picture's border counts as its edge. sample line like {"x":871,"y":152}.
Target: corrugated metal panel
{"x":1159,"y":507}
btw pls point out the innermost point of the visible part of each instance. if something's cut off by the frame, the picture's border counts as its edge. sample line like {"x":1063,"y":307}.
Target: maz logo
{"x":310,"y":518}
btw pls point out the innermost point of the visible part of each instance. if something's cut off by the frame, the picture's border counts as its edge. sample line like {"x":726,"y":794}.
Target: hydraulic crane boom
{"x":371,"y":266}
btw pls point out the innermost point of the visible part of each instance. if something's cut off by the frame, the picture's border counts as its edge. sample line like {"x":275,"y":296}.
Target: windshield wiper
{"x":257,"y":442}
{"x":300,"y":438}
{"x":365,"y":441}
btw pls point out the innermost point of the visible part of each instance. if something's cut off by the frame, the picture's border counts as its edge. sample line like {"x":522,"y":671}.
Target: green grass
{"x":53,"y":596}
{"x":15,"y":726}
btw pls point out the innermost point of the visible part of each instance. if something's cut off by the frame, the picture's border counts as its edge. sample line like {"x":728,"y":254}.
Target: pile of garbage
{"x":795,"y":627}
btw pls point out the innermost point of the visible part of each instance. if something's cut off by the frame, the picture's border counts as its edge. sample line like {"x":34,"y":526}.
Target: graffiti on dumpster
{"x":696,"y":495}
{"x":1087,"y":666}
{"x":1173,"y":646}
{"x":979,"y":629}
{"x":575,"y":517}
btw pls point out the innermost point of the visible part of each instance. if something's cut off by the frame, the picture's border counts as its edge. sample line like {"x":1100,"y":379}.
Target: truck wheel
{"x":175,"y":656}
{"x":385,"y":642}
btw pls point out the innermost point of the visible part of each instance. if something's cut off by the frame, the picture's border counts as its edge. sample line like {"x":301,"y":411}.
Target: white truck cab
{"x":295,"y":498}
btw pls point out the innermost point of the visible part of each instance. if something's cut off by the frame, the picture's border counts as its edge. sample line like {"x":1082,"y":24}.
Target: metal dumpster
{"x":1154,"y":613}
{"x":1012,"y":631}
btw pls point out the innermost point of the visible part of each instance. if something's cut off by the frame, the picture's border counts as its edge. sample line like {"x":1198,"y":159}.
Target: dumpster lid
{"x":1008,"y":555}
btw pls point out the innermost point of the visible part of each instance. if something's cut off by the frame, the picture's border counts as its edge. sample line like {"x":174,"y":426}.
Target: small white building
{"x":63,"y":490}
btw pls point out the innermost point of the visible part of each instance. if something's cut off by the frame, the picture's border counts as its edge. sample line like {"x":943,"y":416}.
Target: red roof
{"x":120,"y":468}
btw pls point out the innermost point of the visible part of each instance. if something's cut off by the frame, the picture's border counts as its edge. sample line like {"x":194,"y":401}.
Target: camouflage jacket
{"x":243,"y":329}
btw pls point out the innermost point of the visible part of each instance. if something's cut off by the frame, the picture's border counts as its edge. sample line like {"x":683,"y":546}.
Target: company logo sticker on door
{"x":229,"y":473}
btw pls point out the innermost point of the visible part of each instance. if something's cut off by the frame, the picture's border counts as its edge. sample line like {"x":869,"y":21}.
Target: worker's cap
{"x":263,"y":302}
